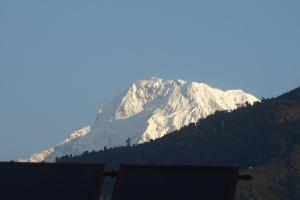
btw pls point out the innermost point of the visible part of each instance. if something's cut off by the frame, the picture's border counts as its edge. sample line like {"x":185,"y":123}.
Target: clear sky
{"x":62,"y":60}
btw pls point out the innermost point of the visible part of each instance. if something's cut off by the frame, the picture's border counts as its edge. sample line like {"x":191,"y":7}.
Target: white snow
{"x":149,"y":109}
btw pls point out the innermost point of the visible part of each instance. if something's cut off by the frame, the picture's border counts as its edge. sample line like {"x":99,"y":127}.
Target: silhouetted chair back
{"x":150,"y":182}
{"x":55,"y":181}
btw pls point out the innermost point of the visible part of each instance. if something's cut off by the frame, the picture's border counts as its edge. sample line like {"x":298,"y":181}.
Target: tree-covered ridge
{"x":263,"y":139}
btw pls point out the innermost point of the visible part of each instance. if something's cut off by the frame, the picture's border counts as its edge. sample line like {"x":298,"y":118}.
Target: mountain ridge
{"x":148,"y":110}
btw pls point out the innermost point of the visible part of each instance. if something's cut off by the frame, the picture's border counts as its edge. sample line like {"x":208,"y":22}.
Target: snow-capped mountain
{"x":149,"y":109}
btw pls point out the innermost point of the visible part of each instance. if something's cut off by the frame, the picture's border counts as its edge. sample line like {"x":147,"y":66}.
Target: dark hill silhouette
{"x":263,"y":139}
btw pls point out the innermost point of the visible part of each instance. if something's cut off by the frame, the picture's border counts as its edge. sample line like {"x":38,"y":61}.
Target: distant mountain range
{"x":263,"y":139}
{"x":148,"y":110}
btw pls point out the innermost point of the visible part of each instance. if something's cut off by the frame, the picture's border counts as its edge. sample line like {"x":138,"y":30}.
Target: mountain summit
{"x":149,"y":109}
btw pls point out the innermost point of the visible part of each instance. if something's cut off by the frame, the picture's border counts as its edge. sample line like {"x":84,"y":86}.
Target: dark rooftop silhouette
{"x":150,"y":182}
{"x":49,"y":181}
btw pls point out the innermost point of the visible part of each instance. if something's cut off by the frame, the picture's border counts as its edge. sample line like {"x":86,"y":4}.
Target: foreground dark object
{"x":74,"y":181}
{"x":150,"y":182}
{"x":55,"y":181}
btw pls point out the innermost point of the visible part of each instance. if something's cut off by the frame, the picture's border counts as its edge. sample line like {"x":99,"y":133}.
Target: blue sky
{"x":62,"y":60}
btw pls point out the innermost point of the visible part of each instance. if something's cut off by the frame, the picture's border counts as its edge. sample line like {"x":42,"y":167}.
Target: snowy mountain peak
{"x":149,"y":109}
{"x":144,"y":91}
